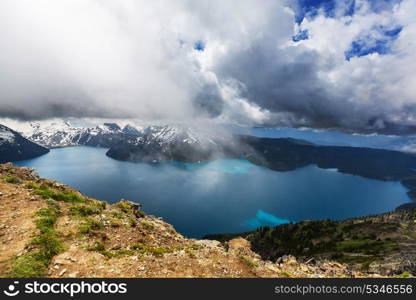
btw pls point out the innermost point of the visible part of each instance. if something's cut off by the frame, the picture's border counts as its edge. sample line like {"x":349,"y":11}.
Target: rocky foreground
{"x":48,"y":229}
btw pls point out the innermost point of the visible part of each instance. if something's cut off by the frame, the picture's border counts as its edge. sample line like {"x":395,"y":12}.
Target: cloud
{"x":89,"y":58}
{"x":229,"y":61}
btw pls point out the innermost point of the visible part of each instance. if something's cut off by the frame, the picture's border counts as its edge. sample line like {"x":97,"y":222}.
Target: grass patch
{"x":189,"y":252}
{"x":47,"y":241}
{"x":48,"y":212}
{"x":124,"y":252}
{"x":84,"y":211}
{"x":50,"y":243}
{"x":99,"y":246}
{"x":116,"y":223}
{"x":147,"y":225}
{"x":47,"y":193}
{"x":107,"y":254}
{"x":132,"y":222}
{"x":33,"y":186}
{"x":89,"y":226}
{"x":117,"y":214}
{"x":52,"y":203}
{"x":12,"y":179}
{"x":196,"y":247}
{"x":124,"y":206}
{"x":405,"y":275}
{"x":366,"y":246}
{"x":249,"y":262}
{"x":48,"y":216}
{"x":101,"y":204}
{"x":46,"y":224}
{"x":285,"y":274}
{"x":155,"y":251}
{"x":31,"y":265}
{"x":363,"y":260}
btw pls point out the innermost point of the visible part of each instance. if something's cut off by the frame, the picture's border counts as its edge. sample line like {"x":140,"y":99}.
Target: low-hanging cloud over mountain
{"x":330,"y":64}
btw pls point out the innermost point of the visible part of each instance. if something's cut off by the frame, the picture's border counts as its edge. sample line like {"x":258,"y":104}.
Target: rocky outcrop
{"x":14,"y":147}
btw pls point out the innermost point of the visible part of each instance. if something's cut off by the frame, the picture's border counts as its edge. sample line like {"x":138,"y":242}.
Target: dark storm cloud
{"x":138,"y":59}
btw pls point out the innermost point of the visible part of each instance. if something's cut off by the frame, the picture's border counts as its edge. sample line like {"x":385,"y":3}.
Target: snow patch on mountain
{"x":166,"y":134}
{"x":13,"y":146}
{"x":6,"y":136}
{"x":64,"y":134}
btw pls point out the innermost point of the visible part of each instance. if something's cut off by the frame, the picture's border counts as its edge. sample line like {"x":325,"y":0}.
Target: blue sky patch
{"x":199,"y":46}
{"x":300,"y":36}
{"x":311,"y":8}
{"x":368,"y":44}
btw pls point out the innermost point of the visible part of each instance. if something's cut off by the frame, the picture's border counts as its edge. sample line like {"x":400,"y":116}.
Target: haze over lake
{"x":228,"y":195}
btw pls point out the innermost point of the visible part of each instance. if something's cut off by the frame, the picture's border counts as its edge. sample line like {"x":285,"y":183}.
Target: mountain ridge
{"x":14,"y":146}
{"x":64,"y":134}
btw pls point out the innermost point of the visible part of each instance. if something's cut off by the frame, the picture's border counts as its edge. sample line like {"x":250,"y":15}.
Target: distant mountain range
{"x":13,"y":146}
{"x":175,"y":143}
{"x":64,"y":134}
{"x":185,"y":144}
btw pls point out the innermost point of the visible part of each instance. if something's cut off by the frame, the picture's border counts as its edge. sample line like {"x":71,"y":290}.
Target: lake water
{"x":228,"y":195}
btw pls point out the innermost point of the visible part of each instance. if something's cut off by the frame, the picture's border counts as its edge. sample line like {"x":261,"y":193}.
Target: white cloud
{"x":136,"y":59}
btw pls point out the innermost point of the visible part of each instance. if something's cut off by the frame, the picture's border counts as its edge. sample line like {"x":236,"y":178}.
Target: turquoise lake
{"x":228,"y":195}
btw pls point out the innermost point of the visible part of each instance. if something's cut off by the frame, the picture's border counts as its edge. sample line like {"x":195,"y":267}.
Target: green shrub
{"x":116,"y":223}
{"x":32,"y":185}
{"x":45,"y":224}
{"x":196,"y":247}
{"x":48,"y":212}
{"x":36,"y":264}
{"x":124,"y":206}
{"x":99,"y":246}
{"x":107,"y":254}
{"x":49,"y":242}
{"x":31,"y":265}
{"x":48,"y":215}
{"x":53,"y":204}
{"x":366,"y":265}
{"x":47,"y":193}
{"x":84,"y":211}
{"x":249,"y":262}
{"x":150,"y":250}
{"x":89,"y":225}
{"x":117,"y":214}
{"x":189,"y":252}
{"x":147,"y":225}
{"x":101,"y":204}
{"x":12,"y":179}
{"x":405,"y":275}
{"x":132,"y":222}
{"x":124,"y":252}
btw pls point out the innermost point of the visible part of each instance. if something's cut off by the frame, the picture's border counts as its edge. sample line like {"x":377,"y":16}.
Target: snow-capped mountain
{"x":128,"y":129}
{"x":56,"y":134}
{"x":174,"y":143}
{"x":64,"y":134}
{"x":14,"y":146}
